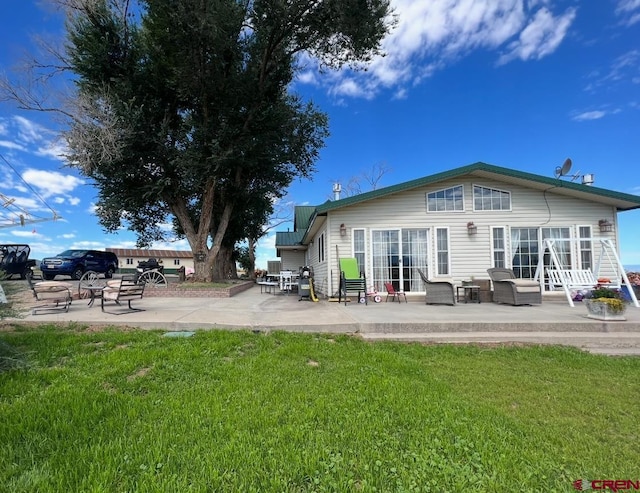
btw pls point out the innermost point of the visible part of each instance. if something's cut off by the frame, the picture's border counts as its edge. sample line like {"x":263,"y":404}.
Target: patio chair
{"x":437,"y":292}
{"x":50,"y":295}
{"x":286,"y":281}
{"x":395,"y":294}
{"x":351,"y":279}
{"x":513,"y":291}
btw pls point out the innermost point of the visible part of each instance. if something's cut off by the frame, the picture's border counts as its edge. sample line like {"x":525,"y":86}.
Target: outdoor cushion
{"x":52,"y":286}
{"x":524,"y":285}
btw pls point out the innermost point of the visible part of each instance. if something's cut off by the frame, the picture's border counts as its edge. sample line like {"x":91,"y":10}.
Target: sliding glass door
{"x":396,"y":256}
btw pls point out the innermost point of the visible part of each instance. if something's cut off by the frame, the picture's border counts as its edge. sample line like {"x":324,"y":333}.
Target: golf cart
{"x":14,"y":260}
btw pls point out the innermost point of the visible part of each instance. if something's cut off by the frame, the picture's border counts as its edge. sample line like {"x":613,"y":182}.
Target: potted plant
{"x":634,"y":279}
{"x":605,"y":303}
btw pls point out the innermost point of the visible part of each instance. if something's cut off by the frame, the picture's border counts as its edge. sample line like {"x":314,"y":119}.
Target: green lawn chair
{"x":351,"y":279}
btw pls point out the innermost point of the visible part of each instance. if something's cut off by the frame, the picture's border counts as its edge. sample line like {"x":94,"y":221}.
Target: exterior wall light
{"x":472,"y":229}
{"x":343,"y":230}
{"x":605,"y":226}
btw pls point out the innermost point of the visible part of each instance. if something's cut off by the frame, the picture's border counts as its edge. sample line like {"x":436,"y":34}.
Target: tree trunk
{"x":225,"y":267}
{"x":252,"y":259}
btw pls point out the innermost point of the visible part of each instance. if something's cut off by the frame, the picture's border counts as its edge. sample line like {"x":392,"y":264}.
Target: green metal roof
{"x":622,"y":201}
{"x":302,"y":217}
{"x":289,"y":239}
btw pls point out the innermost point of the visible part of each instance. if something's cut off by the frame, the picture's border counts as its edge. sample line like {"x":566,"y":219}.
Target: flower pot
{"x":601,"y":310}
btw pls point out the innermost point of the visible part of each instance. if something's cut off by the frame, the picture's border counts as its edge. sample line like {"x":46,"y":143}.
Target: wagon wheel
{"x":153,"y":278}
{"x":89,"y":279}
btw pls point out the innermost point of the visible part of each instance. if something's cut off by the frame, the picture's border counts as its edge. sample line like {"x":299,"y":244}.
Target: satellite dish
{"x":564,"y":169}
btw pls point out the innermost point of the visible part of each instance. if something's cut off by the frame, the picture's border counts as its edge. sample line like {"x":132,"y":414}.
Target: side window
{"x":359,"y":247}
{"x":586,"y":248}
{"x":321,"y":248}
{"x":498,"y":247}
{"x":442,"y":251}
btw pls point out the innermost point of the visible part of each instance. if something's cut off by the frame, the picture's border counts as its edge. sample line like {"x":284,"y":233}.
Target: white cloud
{"x":32,"y":233}
{"x":430,"y":35}
{"x":12,"y":145}
{"x":541,"y":37}
{"x":629,"y":10}
{"x":622,"y":69}
{"x":589,"y":115}
{"x":51,"y":183}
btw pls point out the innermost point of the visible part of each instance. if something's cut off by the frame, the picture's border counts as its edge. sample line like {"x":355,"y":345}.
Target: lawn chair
{"x":351,"y":279}
{"x":437,"y":292}
{"x":391,"y":291}
{"x":50,"y":295}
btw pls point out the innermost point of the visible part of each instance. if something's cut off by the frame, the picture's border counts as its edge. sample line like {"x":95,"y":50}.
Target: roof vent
{"x":336,"y":191}
{"x":588,"y":179}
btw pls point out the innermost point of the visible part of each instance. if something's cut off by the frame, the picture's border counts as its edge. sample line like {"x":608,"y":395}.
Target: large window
{"x":442,"y":251}
{"x":490,"y":199}
{"x":524,"y":252}
{"x":448,"y":199}
{"x":561,"y":246}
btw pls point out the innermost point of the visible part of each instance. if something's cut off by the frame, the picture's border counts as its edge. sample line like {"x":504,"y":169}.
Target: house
{"x":455,"y":225}
{"x":172,"y":260}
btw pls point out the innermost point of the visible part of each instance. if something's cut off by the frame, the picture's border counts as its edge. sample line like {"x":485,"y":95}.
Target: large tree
{"x":183,"y":109}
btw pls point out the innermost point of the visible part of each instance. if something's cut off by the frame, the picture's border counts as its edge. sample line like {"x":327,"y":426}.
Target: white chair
{"x":286,"y":280}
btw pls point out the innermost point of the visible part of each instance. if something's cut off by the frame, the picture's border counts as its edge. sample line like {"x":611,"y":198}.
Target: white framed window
{"x":498,"y":247}
{"x":321,"y":248}
{"x":446,"y":200}
{"x":359,"y":247}
{"x":176,"y":261}
{"x":490,"y":199}
{"x":585,"y":252}
{"x":442,"y":252}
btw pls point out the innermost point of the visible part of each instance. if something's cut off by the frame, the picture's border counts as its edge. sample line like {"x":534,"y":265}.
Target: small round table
{"x":94,"y":292}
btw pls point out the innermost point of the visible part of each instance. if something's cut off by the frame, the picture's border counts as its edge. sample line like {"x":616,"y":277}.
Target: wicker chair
{"x":437,"y":292}
{"x":510,"y":290}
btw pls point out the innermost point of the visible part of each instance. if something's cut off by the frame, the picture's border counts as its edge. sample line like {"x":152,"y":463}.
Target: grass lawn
{"x":227,"y":411}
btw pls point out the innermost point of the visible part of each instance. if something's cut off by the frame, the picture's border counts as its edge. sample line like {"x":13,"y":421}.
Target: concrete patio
{"x":553,"y":322}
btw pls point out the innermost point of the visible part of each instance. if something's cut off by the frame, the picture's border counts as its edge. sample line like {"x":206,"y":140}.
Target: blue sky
{"x":522,"y":84}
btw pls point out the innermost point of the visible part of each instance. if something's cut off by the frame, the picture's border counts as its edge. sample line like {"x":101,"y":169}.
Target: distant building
{"x":172,"y":260}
